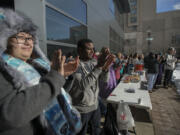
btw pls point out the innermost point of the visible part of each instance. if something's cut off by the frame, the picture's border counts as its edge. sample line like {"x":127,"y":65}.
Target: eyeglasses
{"x":22,"y":39}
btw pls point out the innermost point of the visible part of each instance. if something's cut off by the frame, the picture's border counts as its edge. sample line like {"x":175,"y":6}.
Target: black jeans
{"x":92,"y":118}
{"x":103,"y":107}
{"x":167,"y":77}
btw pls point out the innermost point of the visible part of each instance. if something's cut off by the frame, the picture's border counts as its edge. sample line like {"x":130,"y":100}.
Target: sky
{"x":167,"y":5}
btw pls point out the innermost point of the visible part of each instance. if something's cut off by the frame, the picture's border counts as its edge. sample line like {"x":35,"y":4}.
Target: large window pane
{"x":7,"y":4}
{"x":133,"y":16}
{"x":67,"y":51}
{"x":63,"y":29}
{"x":76,"y":8}
{"x":116,"y":42}
{"x":111,"y":6}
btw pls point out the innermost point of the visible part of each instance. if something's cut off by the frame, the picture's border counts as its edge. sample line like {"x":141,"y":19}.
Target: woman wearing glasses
{"x":28,"y":83}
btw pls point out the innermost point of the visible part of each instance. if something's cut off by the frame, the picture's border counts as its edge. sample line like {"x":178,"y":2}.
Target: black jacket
{"x":152,"y":66}
{"x":19,"y":110}
{"x":146,"y":59}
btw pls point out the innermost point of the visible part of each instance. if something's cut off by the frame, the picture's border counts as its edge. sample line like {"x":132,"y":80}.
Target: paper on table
{"x":132,"y":101}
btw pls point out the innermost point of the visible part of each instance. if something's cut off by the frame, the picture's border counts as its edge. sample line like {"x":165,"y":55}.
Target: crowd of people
{"x":32,"y":100}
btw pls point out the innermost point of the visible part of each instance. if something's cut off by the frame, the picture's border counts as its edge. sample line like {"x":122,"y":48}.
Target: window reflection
{"x":111,"y":6}
{"x":63,"y":29}
{"x":67,"y":51}
{"x":76,"y":8}
{"x":116,"y":42}
{"x":133,"y":19}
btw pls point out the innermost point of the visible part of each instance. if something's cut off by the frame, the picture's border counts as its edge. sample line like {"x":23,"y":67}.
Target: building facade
{"x":63,"y":22}
{"x":151,"y":31}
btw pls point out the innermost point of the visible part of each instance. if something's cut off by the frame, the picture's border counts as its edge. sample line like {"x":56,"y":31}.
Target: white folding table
{"x":139,"y":99}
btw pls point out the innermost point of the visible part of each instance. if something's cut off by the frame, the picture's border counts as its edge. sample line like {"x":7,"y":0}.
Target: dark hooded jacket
{"x":20,"y":106}
{"x":152,"y":64}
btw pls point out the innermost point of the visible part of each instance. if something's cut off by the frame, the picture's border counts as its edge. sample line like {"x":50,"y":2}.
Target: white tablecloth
{"x":176,"y":77}
{"x":140,"y":98}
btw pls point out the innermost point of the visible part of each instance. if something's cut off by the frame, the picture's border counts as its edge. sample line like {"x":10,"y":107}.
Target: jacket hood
{"x":11,"y":23}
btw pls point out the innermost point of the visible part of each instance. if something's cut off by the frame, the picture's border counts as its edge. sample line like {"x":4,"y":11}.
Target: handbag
{"x":110,"y":125}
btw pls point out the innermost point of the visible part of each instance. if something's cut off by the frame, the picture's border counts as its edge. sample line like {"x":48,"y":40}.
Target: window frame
{"x":58,"y":43}
{"x":64,"y":13}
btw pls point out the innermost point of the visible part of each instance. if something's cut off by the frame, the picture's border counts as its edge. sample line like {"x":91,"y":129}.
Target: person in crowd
{"x":169,"y":66}
{"x":130,"y":64}
{"x":85,"y":89}
{"x":139,"y":64}
{"x":126,"y":57}
{"x":118,"y":66}
{"x":141,"y":59}
{"x":106,"y":87}
{"x":119,"y":56}
{"x":161,"y":70}
{"x":135,"y":59}
{"x":96,"y":54}
{"x":69,"y":57}
{"x":146,"y":58}
{"x":157,"y":60}
{"x":152,"y":70}
{"x":28,"y":83}
{"x":123,"y":63}
{"x":146,"y":64}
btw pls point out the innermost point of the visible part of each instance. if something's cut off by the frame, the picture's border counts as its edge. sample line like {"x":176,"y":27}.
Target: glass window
{"x":167,"y":5}
{"x":63,"y":29}
{"x":116,"y":42}
{"x":133,"y":19}
{"x":7,"y":4}
{"x":76,"y":8}
{"x":133,"y":11}
{"x":111,"y":6}
{"x":177,"y":39}
{"x":66,"y":50}
{"x":133,"y":2}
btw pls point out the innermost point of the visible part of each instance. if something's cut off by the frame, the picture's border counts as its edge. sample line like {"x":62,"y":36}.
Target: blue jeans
{"x":151,"y":80}
{"x":93,"y":118}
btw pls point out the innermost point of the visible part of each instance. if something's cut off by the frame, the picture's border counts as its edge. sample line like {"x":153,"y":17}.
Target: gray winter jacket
{"x":170,"y":62}
{"x":19,"y":110}
{"x":85,"y":88}
{"x":20,"y":103}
